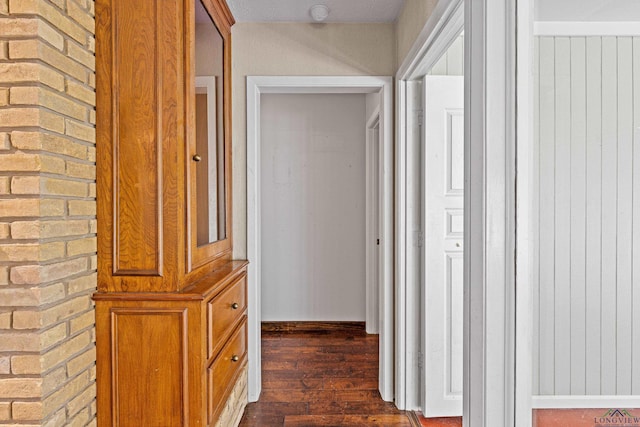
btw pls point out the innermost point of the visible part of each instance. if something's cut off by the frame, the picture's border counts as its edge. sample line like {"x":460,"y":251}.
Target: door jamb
{"x":372,"y":228}
{"x":524,"y":237}
{"x":497,"y":389}
{"x":258,"y":85}
{"x":440,"y":31}
{"x":494,"y":285}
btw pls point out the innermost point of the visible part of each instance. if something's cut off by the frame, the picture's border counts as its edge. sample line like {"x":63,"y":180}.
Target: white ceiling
{"x":298,"y":10}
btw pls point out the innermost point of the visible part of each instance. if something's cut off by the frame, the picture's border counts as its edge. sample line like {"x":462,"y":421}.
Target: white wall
{"x":587,"y":316}
{"x":410,"y":22}
{"x":268,"y":49}
{"x":313,"y":207}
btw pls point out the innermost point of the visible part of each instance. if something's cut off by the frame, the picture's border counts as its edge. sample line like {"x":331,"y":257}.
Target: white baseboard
{"x":585,"y":402}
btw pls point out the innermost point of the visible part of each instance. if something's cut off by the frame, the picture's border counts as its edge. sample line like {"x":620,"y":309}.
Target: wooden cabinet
{"x":171,"y":359}
{"x":147,"y":144}
{"x":171,"y":304}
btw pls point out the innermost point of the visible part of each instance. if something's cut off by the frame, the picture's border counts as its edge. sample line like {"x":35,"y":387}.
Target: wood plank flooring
{"x":439,"y":422}
{"x":323,"y":377}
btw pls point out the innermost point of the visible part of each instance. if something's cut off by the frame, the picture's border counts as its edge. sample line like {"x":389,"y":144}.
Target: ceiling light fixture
{"x":319,"y":12}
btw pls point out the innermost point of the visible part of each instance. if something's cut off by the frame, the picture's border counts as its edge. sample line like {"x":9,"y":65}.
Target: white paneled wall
{"x":587,"y":314}
{"x":452,"y":62}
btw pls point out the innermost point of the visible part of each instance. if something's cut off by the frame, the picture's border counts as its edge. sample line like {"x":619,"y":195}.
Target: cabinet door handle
{"x":235,"y":306}
{"x":235,"y":358}
{"x":197,"y":158}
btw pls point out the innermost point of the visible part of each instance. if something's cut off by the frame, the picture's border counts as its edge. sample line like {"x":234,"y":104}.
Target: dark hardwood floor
{"x":326,"y":377}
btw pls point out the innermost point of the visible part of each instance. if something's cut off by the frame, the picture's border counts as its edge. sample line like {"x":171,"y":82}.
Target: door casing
{"x":257,"y":85}
{"x":498,"y":94}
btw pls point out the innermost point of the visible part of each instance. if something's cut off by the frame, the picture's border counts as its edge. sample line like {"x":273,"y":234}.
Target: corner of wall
{"x":47,"y":212}
{"x":409,"y":24}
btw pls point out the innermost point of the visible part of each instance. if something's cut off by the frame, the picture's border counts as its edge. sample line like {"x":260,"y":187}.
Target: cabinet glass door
{"x":209,"y":124}
{"x":208,"y":133}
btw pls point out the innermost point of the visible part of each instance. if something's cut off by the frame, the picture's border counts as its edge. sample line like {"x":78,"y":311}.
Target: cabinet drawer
{"x":222,"y":373}
{"x":223,"y":313}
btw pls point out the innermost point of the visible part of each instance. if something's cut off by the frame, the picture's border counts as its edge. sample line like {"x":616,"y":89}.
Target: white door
{"x":443,"y":237}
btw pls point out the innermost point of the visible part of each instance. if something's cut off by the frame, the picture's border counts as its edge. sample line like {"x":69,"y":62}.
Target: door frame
{"x":256,"y":86}
{"x":497,"y":372}
{"x":372,"y":226}
{"x":440,"y":31}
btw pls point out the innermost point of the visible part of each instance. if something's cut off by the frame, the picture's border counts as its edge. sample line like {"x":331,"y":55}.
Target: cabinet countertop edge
{"x":199,"y":290}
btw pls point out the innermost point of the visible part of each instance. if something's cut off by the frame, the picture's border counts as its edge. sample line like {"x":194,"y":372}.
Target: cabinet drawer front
{"x":224,"y":311}
{"x":222,"y":373}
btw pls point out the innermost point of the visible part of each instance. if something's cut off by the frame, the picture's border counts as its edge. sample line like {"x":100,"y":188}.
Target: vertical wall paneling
{"x":594,"y":212}
{"x":635,"y":291}
{"x":562,"y":241}
{"x":452,"y":62}
{"x":577,"y":262}
{"x":455,"y":58}
{"x":547,"y":220}
{"x":440,"y":69}
{"x":609,"y":217}
{"x":624,"y":230}
{"x":587,"y":214}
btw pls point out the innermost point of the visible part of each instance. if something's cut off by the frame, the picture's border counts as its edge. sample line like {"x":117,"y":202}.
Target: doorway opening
{"x":258,"y":86}
{"x":430,"y":169}
{"x":313,"y":207}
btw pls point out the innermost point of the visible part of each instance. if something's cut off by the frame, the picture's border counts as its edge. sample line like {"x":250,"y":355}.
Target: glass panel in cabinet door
{"x":209,"y":111}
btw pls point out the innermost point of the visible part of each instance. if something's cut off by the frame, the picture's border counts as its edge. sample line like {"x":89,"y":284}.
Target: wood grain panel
{"x":223,"y":371}
{"x":140,"y":172}
{"x":151,"y":323}
{"x":137,"y":124}
{"x":223,"y":313}
{"x":148,"y":386}
{"x":588,"y":216}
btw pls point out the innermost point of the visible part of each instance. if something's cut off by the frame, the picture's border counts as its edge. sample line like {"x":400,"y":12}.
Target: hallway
{"x":321,"y":378}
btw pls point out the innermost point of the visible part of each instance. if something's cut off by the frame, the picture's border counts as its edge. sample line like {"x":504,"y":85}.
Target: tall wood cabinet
{"x":171,"y":304}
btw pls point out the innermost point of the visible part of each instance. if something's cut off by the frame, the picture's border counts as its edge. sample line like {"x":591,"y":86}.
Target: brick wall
{"x":234,"y":408}
{"x":47,"y":212}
